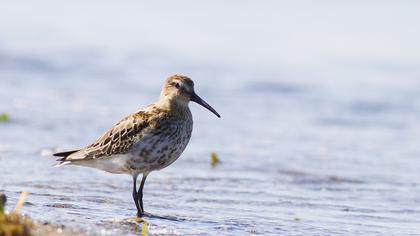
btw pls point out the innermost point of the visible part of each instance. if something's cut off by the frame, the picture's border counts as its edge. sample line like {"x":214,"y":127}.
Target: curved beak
{"x":197,"y":99}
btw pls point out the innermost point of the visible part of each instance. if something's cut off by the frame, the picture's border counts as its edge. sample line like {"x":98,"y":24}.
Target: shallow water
{"x":320,"y":142}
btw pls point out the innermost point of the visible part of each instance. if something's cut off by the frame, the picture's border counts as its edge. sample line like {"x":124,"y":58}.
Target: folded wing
{"x":117,"y":140}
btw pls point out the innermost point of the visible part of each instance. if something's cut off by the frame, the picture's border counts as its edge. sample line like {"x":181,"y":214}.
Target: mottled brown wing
{"x":117,"y":140}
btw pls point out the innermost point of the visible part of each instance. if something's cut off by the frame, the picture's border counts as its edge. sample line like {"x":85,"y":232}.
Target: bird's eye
{"x":177,"y":85}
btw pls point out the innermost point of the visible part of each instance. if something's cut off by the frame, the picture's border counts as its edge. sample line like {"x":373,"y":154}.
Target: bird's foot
{"x":140,"y":214}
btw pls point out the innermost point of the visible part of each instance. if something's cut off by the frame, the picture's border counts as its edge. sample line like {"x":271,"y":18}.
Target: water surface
{"x":311,"y":142}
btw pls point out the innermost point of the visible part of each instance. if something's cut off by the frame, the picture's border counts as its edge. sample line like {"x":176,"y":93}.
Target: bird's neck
{"x":172,"y":104}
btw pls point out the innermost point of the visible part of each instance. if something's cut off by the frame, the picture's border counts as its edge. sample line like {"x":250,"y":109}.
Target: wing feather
{"x":117,"y":140}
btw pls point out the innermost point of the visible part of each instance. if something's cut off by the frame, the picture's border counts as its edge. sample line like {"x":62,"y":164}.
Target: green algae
{"x":4,"y":117}
{"x":12,"y":224}
{"x":15,"y":224}
{"x":214,"y":159}
{"x":3,"y":200}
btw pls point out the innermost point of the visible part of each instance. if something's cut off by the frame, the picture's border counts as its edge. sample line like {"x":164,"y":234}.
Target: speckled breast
{"x":162,"y":146}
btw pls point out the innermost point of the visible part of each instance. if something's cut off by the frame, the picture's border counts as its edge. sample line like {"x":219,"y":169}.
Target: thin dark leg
{"x":136,"y":197}
{"x":140,"y":192}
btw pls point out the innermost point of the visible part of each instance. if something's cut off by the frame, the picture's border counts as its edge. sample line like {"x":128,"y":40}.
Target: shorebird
{"x":147,"y":140}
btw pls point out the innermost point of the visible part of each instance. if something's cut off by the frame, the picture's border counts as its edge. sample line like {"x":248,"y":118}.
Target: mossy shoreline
{"x":16,"y":224}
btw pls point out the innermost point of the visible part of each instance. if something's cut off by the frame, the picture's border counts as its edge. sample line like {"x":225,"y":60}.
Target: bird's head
{"x":179,"y":90}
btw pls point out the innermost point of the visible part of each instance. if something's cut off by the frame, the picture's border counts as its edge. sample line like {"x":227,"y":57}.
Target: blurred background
{"x":319,"y":100}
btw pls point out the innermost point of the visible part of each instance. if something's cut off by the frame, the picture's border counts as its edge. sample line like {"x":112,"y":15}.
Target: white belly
{"x":114,"y":164}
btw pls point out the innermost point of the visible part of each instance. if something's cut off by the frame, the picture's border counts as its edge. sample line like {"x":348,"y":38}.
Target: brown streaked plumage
{"x":147,"y":140}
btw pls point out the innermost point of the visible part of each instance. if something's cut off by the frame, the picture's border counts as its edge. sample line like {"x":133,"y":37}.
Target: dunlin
{"x":147,"y":140}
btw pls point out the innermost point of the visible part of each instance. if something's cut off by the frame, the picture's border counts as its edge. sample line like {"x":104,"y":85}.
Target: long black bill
{"x":197,"y":99}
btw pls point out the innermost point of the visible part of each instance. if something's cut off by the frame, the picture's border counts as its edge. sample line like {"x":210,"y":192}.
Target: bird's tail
{"x":63,"y":159}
